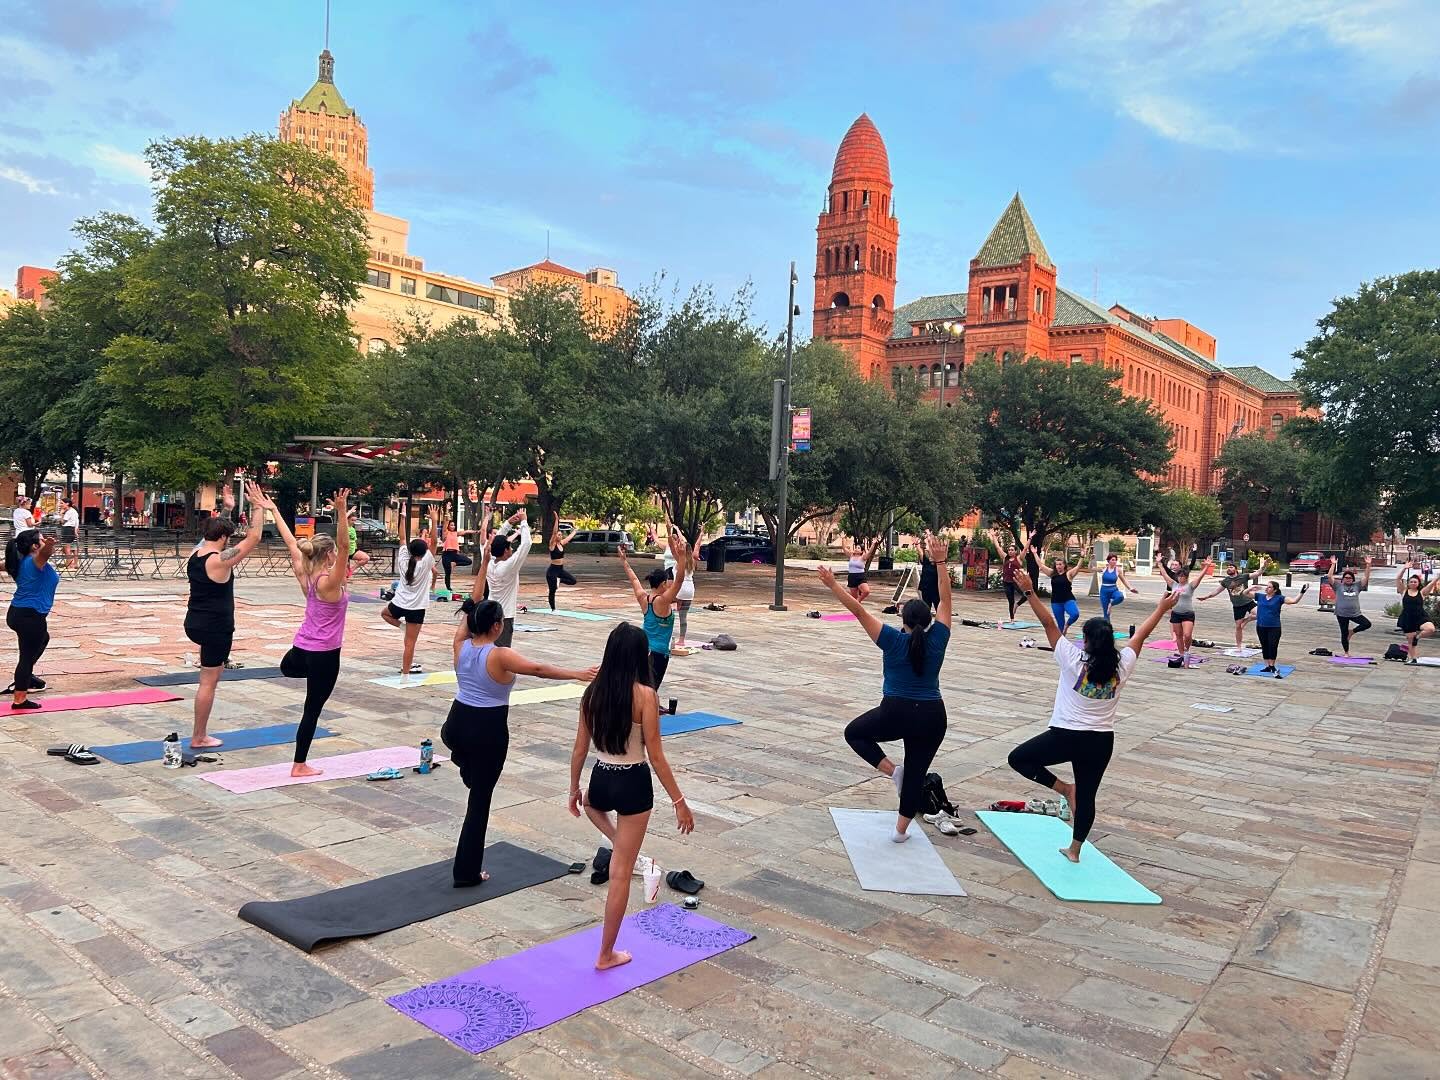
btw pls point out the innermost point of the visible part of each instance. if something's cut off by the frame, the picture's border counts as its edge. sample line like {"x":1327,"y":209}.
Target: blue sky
{"x":1235,"y":162}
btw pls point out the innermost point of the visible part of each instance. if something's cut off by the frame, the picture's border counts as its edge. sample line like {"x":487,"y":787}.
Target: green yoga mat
{"x":1036,"y":840}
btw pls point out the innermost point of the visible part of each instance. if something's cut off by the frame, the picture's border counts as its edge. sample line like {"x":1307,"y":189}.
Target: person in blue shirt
{"x":27,"y":560}
{"x":1269,"y":600}
{"x":911,"y":710}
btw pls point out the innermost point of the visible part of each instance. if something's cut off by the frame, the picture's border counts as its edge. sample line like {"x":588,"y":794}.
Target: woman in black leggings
{"x":555,"y":573}
{"x":911,"y":710}
{"x":1082,"y":723}
{"x":27,"y":561}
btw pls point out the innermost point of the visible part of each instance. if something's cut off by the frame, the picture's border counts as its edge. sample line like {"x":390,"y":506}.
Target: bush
{"x":1432,"y":609}
{"x":1117,"y":546}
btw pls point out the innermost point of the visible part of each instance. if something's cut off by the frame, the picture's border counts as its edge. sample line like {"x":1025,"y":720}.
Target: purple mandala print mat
{"x":481,"y":1008}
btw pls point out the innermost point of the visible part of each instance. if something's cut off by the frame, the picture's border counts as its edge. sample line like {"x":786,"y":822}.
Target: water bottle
{"x":427,"y":755}
{"x":171,"y":758}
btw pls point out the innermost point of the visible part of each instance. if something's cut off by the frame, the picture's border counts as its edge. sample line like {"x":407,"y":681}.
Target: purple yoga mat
{"x":1352,"y":660}
{"x":481,"y":1008}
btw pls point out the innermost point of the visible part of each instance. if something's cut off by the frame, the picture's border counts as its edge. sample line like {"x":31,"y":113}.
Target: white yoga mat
{"x":881,"y":865}
{"x":1205,"y":706}
{"x":1242,"y":652}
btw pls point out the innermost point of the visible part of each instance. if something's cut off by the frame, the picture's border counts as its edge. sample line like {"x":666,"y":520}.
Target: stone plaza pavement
{"x":1295,"y":839}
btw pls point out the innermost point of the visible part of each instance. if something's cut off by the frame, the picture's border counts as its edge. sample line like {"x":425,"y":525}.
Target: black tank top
{"x":1061,"y":591}
{"x":212,"y":604}
{"x":557,"y":554}
{"x":1412,"y":609}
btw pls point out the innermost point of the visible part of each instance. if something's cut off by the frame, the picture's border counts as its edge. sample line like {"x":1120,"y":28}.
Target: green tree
{"x":1261,"y":475}
{"x":240,"y":335}
{"x":26,"y":382}
{"x":1372,"y":371}
{"x":1061,"y":446}
{"x":1183,"y":517}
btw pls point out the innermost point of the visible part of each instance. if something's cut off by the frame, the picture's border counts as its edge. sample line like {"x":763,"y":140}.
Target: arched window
{"x":923,"y":374}
{"x":840,"y":300}
{"x":1277,"y":421}
{"x":877,"y":302}
{"x":896,"y":374}
{"x":952,"y":374}
{"x":376,"y":345}
{"x":827,"y":260}
{"x":885,"y":204}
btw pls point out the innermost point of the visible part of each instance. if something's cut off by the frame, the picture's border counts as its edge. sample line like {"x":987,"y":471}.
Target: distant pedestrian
{"x":21,"y":517}
{"x":70,"y":533}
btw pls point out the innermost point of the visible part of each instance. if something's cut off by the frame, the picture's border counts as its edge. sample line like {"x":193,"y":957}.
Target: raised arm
{"x":1041,"y":610}
{"x":297,"y":560}
{"x":332,"y":582}
{"x":1366,"y":583}
{"x":1081,"y":562}
{"x":42,"y":551}
{"x":635,"y":586}
{"x":1300,"y":596}
{"x":872,"y":625}
{"x":1219,"y":588}
{"x":1147,"y":627}
{"x":1259,"y":570}
{"x":650,"y":732}
{"x":1205,"y":571}
{"x":939,"y":553}
{"x":679,"y":553}
{"x":1400,"y":578}
{"x":258,"y":499}
{"x":870,"y":552}
{"x":477,"y":583}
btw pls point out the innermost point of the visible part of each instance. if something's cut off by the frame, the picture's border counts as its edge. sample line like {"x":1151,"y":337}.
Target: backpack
{"x":1395,"y":652}
{"x":723,"y":642}
{"x":934,"y":797}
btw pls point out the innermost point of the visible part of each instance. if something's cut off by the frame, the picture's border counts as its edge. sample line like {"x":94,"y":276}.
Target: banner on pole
{"x":800,"y":430}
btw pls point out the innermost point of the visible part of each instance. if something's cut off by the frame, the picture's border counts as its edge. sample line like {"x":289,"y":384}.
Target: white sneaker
{"x":946,"y":824}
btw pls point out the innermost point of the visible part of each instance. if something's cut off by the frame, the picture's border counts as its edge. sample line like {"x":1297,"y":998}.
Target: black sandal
{"x":602,"y":867}
{"x":684,"y":881}
{"x":75,"y":753}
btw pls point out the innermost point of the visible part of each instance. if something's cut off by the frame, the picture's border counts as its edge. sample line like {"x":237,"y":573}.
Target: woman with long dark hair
{"x":1347,"y":605}
{"x":477,"y":730}
{"x":620,"y":719}
{"x":555,"y":573}
{"x":27,"y":561}
{"x":658,"y":603}
{"x":1063,"y":608}
{"x":1414,"y":622}
{"x":1082,"y":722}
{"x":450,"y":554}
{"x":911,"y":709}
{"x":415,"y":573}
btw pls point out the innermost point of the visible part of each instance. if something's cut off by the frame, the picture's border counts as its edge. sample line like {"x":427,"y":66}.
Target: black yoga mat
{"x":192,"y":678}
{"x":396,"y":900}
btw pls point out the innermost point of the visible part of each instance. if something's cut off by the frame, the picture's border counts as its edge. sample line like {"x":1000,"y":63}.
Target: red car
{"x":1308,"y":562}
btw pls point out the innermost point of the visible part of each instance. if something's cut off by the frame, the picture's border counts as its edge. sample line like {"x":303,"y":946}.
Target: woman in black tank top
{"x":1415,"y":623}
{"x":555,"y":573}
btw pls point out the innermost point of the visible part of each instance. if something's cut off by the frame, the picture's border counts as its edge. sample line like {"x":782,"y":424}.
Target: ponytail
{"x":20,"y":545}
{"x":417,"y":549}
{"x":916,"y":618}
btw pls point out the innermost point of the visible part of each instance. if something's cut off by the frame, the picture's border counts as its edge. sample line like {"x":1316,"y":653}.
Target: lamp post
{"x":783,"y":419}
{"x":949,"y":329}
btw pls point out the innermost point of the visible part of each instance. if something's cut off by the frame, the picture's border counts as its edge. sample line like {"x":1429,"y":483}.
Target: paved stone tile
{"x":1071,"y":1052}
{"x":940,"y":1039}
{"x":1321,"y":949}
{"x":1332,"y":886}
{"x":22,"y":1035}
{"x":432,"y":1058}
{"x":43,"y":1065}
{"x":266,"y":977}
{"x":1422,"y":887}
{"x":1412,"y":938}
{"x":1405,"y":1005}
{"x":192,"y":1015}
{"x":975,"y":956}
{"x":360,"y":1028}
{"x":1383,"y":1057}
{"x":248,"y":1053}
{"x":65,"y":1003}
{"x":130,"y":1045}
{"x":1240,"y":1022}
{"x":772,"y":887}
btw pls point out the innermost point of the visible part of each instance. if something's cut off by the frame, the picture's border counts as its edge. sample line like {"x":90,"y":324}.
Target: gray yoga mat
{"x":881,"y":865}
{"x":396,"y":900}
{"x":192,"y":678}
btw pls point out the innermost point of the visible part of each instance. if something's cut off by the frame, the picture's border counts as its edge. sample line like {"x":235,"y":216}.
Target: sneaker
{"x":36,"y":686}
{"x":943,"y":822}
{"x":416,"y":668}
{"x":1412,"y":660}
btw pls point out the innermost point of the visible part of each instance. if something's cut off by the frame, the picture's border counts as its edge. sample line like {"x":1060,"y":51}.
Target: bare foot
{"x":301,"y":769}
{"x":1071,"y":854}
{"x":614,"y":959}
{"x":205,"y":742}
{"x":1068,"y":790}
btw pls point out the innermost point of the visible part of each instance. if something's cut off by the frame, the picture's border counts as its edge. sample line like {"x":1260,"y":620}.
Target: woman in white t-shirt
{"x":1082,"y":724}
{"x":415,"y":576}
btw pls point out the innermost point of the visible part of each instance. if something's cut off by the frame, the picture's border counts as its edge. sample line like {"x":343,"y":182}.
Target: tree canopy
{"x":1264,"y":475}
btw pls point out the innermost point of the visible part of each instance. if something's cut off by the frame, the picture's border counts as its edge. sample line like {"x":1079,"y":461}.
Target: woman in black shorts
{"x":210,"y":613}
{"x":415,"y":578}
{"x":1414,"y":622}
{"x":620,"y":718}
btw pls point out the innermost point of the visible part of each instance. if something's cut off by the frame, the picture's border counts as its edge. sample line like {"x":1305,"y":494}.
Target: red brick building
{"x":30,"y":283}
{"x":1013,"y":306}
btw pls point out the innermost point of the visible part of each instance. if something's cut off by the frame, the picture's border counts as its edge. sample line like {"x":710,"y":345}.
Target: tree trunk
{"x":119,"y":515}
{"x":1283,"y":555}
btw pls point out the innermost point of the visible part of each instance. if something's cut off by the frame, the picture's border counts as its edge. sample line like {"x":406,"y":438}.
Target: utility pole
{"x":781,"y":419}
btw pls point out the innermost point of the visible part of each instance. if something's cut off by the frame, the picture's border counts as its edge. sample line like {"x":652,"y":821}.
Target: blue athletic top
{"x":35,"y":586}
{"x":900,"y":678}
{"x":472,"y":677}
{"x":1269,"y":609}
{"x":1109,"y":577}
{"x":658,"y":630}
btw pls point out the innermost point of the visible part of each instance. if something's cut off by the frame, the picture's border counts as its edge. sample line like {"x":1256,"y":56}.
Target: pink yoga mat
{"x":481,"y":1008}
{"x":1161,"y":645}
{"x":148,"y":695}
{"x":838,"y":616}
{"x":339,"y":767}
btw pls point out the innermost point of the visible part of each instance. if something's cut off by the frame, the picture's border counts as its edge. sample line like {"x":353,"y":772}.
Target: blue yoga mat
{"x":150,"y":750}
{"x":583,"y":616}
{"x":1036,"y":840}
{"x":693,"y":721}
{"x":1259,"y":669}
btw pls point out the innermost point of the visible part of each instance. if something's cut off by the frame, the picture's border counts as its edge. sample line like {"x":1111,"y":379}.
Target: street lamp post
{"x":950,"y":330}
{"x":782,"y":525}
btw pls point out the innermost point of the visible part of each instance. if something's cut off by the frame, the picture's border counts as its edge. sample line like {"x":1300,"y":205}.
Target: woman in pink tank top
{"x":319,"y":565}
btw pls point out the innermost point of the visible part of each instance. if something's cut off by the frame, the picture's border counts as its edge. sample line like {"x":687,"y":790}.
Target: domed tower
{"x":323,"y":121}
{"x":856,"y":241}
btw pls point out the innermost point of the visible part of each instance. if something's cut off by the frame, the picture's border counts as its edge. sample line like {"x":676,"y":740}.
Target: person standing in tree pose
{"x":1347,"y":606}
{"x":358,"y":559}
{"x":1082,"y":722}
{"x":620,"y":718}
{"x":1112,"y":581}
{"x":415,"y":579}
{"x":450,"y":556}
{"x":27,"y":561}
{"x":911,"y":709}
{"x":1062,"y":589}
{"x":659,"y":604}
{"x":477,"y":730}
{"x":1267,"y":620}
{"x":860,"y":558}
{"x":1007,"y":577}
{"x":507,"y":558}
{"x":555,"y":573}
{"x":1242,"y":603}
{"x":210,"y":613}
{"x":321,"y":567}
{"x":685,"y":597}
{"x":1414,"y":622}
{"x":1182,"y":615}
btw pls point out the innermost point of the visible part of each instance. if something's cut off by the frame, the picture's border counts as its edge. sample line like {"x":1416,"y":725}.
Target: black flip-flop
{"x":601,"y":863}
{"x":684,"y":881}
{"x":75,"y":753}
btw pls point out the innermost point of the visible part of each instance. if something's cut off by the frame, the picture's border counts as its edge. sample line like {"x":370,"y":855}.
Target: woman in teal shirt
{"x":27,"y":560}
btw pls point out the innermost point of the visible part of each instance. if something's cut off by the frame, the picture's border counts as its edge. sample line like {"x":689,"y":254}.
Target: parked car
{"x":599,"y":542}
{"x":1307,"y":561}
{"x":742,"y":547}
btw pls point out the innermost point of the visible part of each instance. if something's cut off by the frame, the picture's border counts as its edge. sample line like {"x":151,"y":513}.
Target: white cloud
{"x":31,"y":184}
{"x":122,"y":162}
{"x":1182,"y":122}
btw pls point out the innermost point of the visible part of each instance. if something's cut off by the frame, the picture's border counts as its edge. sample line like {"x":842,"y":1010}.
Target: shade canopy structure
{"x":357,"y":450}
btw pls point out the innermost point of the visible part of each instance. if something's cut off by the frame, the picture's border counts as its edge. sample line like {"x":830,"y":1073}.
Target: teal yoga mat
{"x":1020,"y":624}
{"x":583,"y":616}
{"x":1036,"y":840}
{"x":693,"y":721}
